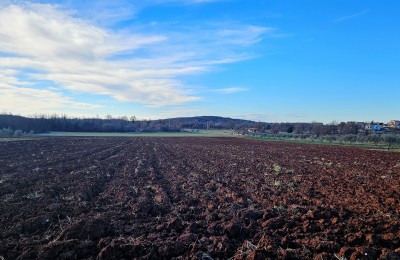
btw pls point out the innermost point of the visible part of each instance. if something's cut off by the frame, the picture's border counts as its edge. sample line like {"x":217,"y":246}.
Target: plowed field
{"x":196,"y":198}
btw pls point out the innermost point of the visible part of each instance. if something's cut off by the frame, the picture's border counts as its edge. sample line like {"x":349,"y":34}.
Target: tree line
{"x":46,"y":123}
{"x":314,"y":128}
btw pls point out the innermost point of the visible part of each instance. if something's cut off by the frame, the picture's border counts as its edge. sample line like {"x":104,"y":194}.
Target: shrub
{"x":348,"y":138}
{"x":6,"y":132}
{"x":389,"y":139}
{"x":375,"y":139}
{"x":362,"y":138}
{"x":18,"y":133}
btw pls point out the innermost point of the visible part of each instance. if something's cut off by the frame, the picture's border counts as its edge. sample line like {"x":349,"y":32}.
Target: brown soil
{"x":196,"y":198}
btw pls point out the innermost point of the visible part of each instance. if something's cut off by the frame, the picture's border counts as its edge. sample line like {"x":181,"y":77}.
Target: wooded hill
{"x":44,"y":123}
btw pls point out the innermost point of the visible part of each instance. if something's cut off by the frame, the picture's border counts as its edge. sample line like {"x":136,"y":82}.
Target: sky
{"x":263,"y":60}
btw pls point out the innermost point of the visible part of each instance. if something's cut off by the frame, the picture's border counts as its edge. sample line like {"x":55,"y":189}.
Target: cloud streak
{"x":188,"y":1}
{"x":230,"y":90}
{"x":349,"y":17}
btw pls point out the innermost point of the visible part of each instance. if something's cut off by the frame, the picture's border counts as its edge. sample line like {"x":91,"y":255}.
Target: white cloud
{"x":74,"y":54}
{"x":348,"y":17}
{"x":244,"y":35}
{"x":230,"y":90}
{"x":44,"y":42}
{"x":109,"y":12}
{"x":44,"y":32}
{"x":18,"y":97}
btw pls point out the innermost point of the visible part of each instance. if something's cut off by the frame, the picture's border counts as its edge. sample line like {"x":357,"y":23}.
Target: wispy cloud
{"x":244,"y":35}
{"x":296,"y":115}
{"x":348,"y":17}
{"x":230,"y":90}
{"x":19,"y":97}
{"x":46,"y":43}
{"x":77,"y":56}
{"x":188,"y":1}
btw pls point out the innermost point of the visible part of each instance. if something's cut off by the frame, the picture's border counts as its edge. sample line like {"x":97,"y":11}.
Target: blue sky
{"x":264,"y":60}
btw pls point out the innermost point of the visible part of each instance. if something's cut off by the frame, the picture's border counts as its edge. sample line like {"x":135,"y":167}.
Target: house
{"x":252,"y":130}
{"x":394,"y":123}
{"x":189,"y":130}
{"x":376,"y":127}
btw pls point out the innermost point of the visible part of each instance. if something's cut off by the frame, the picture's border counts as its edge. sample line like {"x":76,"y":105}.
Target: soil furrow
{"x":196,"y":198}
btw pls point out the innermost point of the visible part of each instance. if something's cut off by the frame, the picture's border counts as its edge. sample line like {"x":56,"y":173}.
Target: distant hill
{"x":204,"y":119}
{"x":212,"y":121}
